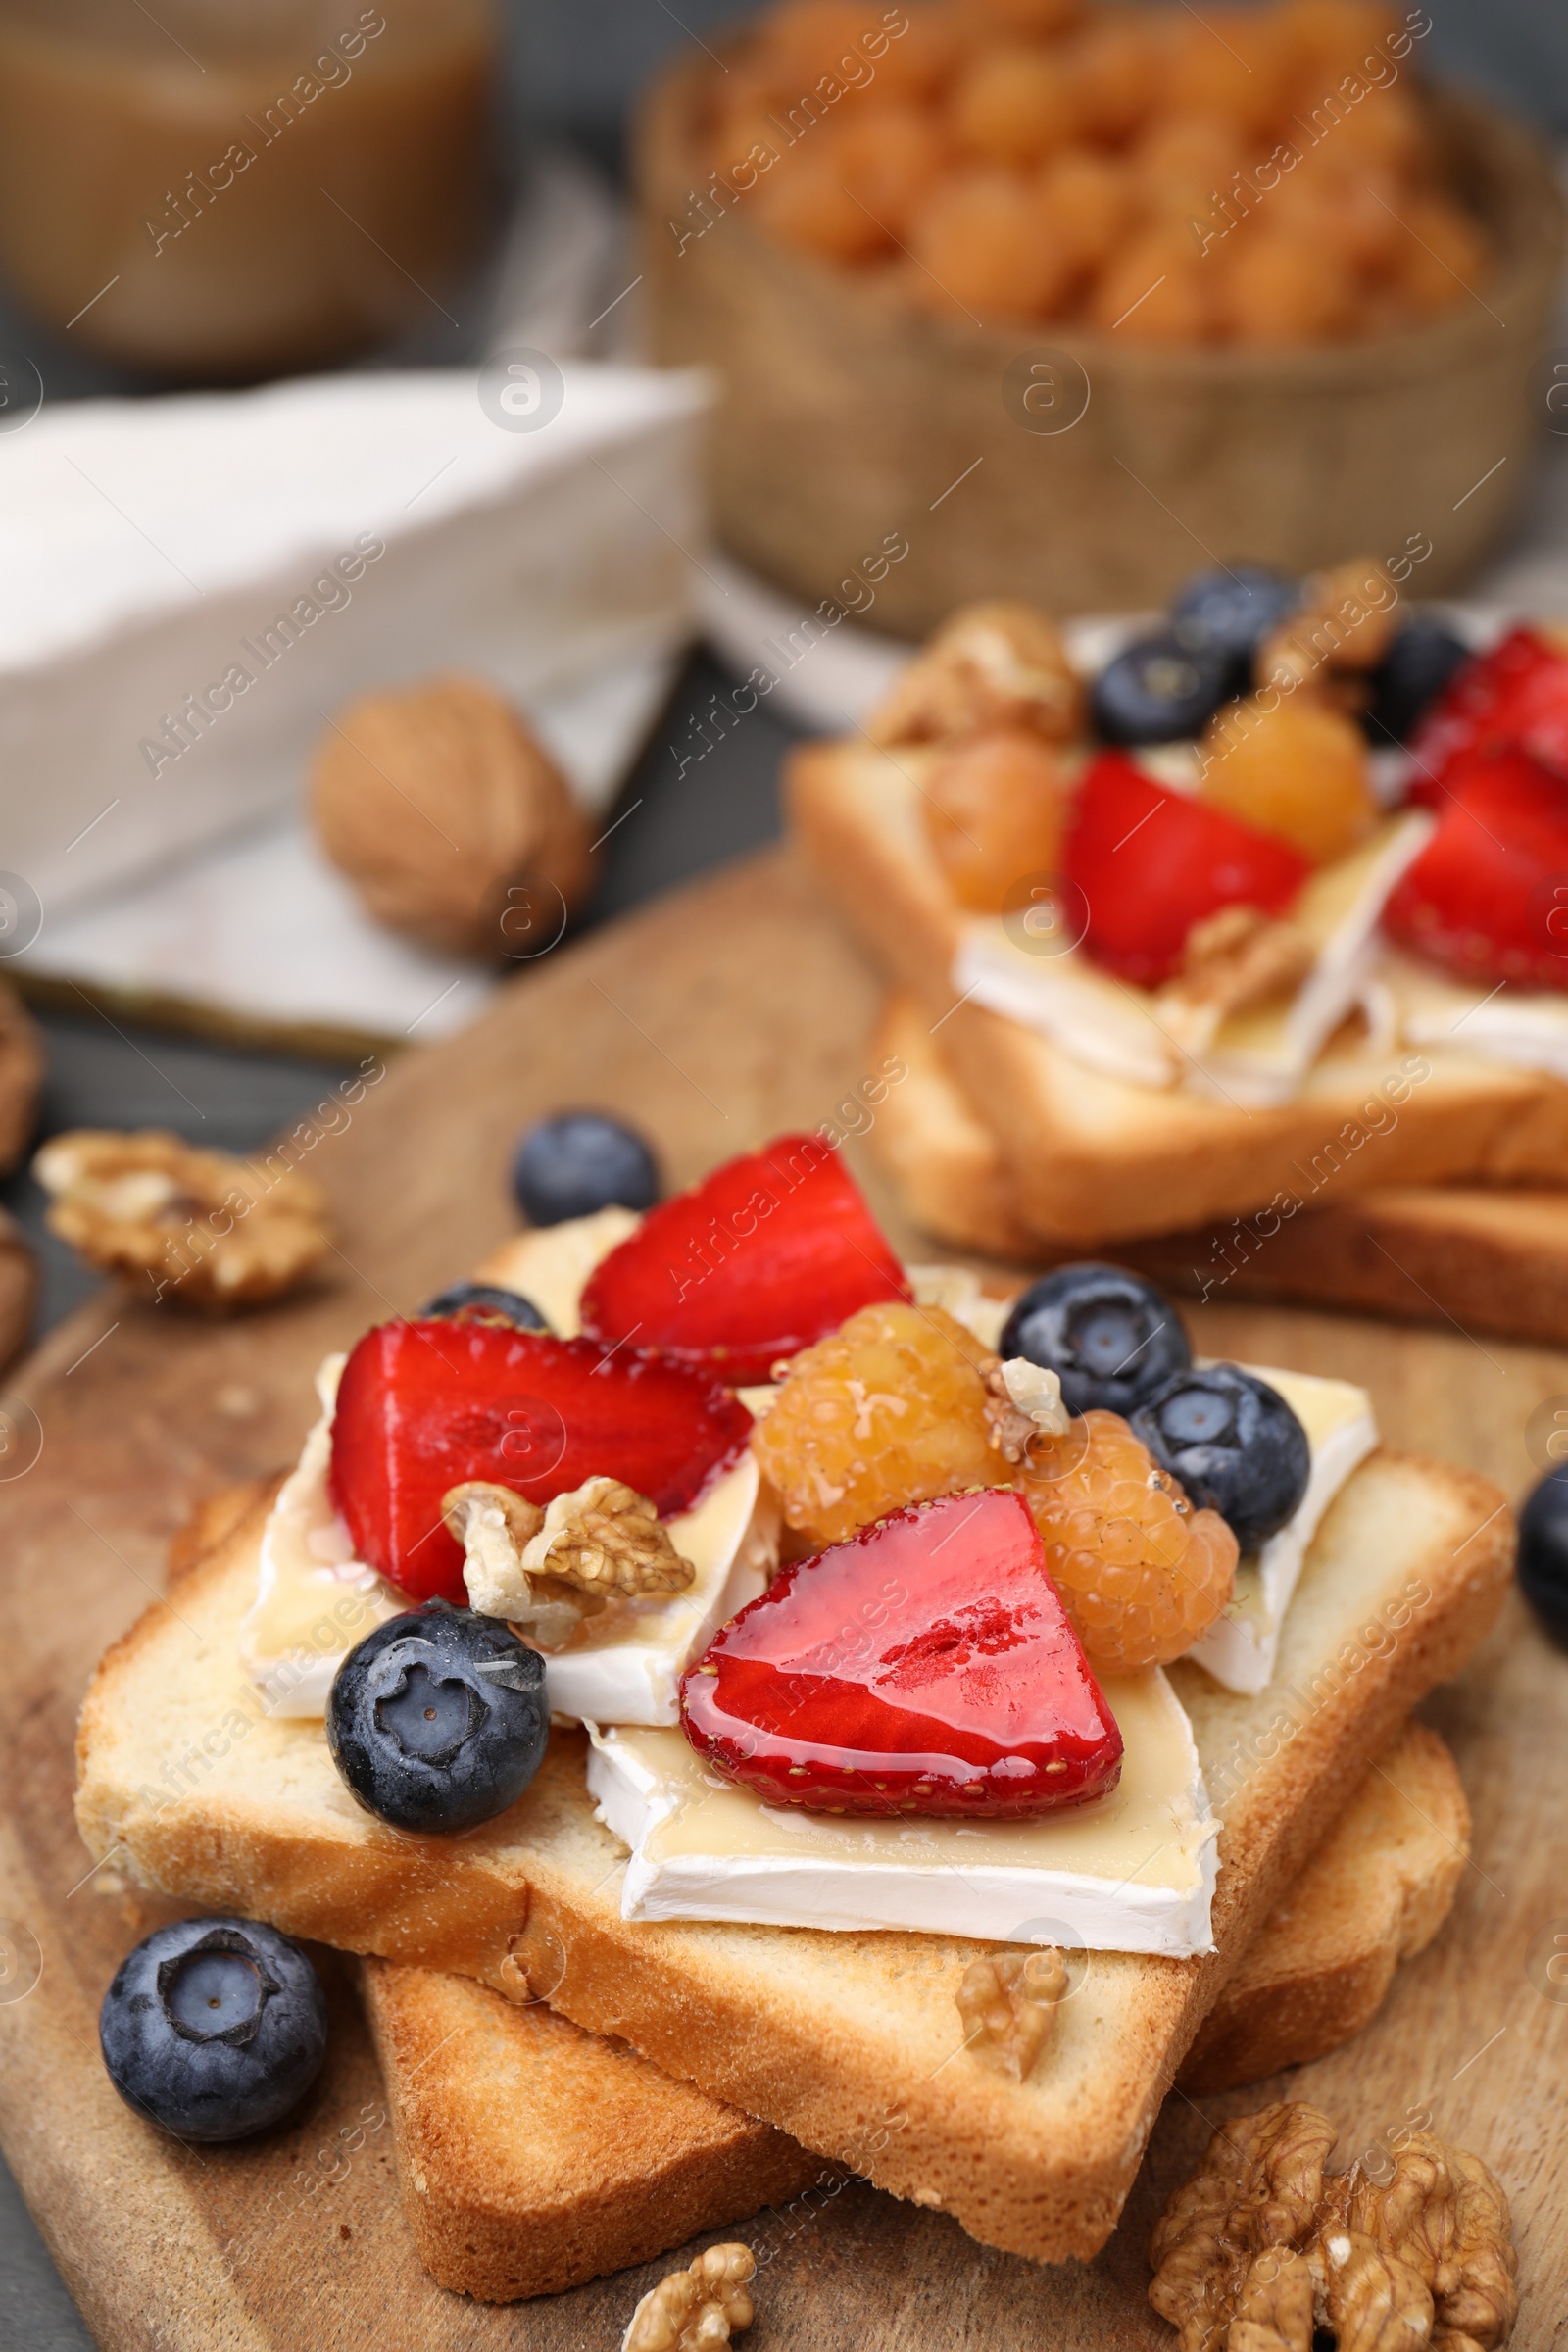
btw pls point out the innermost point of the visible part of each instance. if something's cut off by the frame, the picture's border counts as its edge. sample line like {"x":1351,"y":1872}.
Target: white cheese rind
{"x":150,"y":545}
{"x":1240,"y":1648}
{"x":1526,"y":1028}
{"x":1133,"y":1873}
{"x":1091,"y":1016}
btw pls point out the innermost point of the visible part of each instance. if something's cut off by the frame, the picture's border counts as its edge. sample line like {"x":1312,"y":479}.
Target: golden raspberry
{"x":1141,"y":1574}
{"x":890,"y":1410}
{"x":1297,"y":768}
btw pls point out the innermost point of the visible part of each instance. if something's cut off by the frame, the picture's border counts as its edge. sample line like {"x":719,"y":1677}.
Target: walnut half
{"x":209,"y":1232}
{"x":1232,"y":961}
{"x":1263,"y":2239}
{"x":696,"y":2310}
{"x":495,"y":1526}
{"x":606,"y":1539}
{"x":1009,"y":2003}
{"x":545,"y":1570}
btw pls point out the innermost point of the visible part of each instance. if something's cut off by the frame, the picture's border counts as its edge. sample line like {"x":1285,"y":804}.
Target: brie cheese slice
{"x":1525,"y":1027}
{"x":625,"y":1665}
{"x":314,"y":1599}
{"x":1257,"y":1058}
{"x":551,"y":1265}
{"x":1262,"y":1057}
{"x":1132,"y":1872}
{"x":1093,"y":1018}
{"x":957,"y":1291}
{"x":1241,"y":1647}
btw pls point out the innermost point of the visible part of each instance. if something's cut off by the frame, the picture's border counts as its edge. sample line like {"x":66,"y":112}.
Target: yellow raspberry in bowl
{"x":1140,"y":1573}
{"x":888,"y":1411}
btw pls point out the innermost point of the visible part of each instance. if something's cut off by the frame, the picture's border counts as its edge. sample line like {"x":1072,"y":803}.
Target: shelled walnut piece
{"x":208,"y":1231}
{"x":1023,"y":1401}
{"x":1260,"y":2247}
{"x":1232,"y":962}
{"x":452,"y":822}
{"x":545,"y":1570}
{"x":1009,"y":2003}
{"x":696,"y":2310}
{"x":988,"y":666}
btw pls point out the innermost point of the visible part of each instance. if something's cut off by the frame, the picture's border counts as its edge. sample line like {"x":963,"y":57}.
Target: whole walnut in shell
{"x":21,"y":1076}
{"x":19,"y":1288}
{"x":436,"y":802}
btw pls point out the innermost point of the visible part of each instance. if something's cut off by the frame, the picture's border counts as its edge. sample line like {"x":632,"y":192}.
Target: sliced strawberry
{"x":424,"y":1406}
{"x":1487,"y":896}
{"x":1150,"y":863}
{"x":768,"y":1254}
{"x":1513,"y":697}
{"x":925,"y":1666}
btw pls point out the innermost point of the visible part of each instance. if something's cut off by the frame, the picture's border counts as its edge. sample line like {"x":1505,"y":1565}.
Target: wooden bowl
{"x":845,"y":417}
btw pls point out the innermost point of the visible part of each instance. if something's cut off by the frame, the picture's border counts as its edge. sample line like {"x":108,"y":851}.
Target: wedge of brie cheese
{"x":1132,"y":1872}
{"x":1241,"y":1645}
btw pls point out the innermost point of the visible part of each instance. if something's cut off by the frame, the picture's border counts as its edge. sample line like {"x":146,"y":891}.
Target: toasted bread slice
{"x":1494,"y":1260}
{"x":1376,"y":1891}
{"x":852,"y":2042}
{"x":1091,"y":1158}
{"x":533,"y":2156}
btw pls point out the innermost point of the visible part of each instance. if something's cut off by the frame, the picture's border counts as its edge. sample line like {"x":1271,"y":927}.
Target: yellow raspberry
{"x":888,"y":1411}
{"x":1140,"y":1572}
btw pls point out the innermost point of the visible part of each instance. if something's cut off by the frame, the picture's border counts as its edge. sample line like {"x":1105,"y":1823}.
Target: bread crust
{"x":533,"y":2156}
{"x":1089,"y":1158}
{"x":850,"y":2042}
{"x":1375,"y":1892}
{"x":1494,"y":1260}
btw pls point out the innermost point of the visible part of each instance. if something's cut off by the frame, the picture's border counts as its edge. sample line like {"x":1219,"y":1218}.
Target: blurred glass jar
{"x":233,"y":188}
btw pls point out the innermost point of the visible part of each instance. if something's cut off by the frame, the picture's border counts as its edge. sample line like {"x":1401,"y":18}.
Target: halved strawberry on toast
{"x":769,"y":1252}
{"x":925,"y":1666}
{"x":426,"y":1407}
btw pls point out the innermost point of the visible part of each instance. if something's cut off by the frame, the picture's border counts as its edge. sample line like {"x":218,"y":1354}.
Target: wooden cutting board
{"x":721,"y":1015}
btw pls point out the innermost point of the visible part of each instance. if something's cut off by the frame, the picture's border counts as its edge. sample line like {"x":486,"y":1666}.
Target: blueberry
{"x":1417,"y":667}
{"x":437,"y":1720}
{"x":213,"y":2028}
{"x":1543,"y":1550}
{"x":1234,"y":1444}
{"x":1159,"y":691}
{"x":483,"y":1302}
{"x":1230,"y":612}
{"x":581,"y":1161}
{"x":1112,"y":1337}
